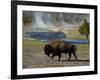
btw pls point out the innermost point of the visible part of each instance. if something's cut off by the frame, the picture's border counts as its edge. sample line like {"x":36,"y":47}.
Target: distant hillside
{"x":74,"y":34}
{"x":53,"y":19}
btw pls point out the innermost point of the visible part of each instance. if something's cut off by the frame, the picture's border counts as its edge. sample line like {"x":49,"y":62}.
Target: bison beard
{"x":56,"y":48}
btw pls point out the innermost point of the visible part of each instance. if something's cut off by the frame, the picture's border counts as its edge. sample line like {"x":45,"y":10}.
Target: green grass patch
{"x":83,"y":48}
{"x":35,"y":45}
{"x":32,"y":43}
{"x":78,"y":38}
{"x":38,"y":46}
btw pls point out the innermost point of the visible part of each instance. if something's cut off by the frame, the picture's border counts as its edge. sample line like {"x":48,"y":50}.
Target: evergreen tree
{"x":84,"y":28}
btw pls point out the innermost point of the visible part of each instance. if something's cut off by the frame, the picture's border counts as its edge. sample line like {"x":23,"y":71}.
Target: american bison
{"x":56,"y":48}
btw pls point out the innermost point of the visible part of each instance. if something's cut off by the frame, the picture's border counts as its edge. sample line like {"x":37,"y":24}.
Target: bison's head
{"x":47,"y":49}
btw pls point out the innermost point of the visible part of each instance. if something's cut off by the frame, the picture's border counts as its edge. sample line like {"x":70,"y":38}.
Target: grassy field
{"x":34,"y":57}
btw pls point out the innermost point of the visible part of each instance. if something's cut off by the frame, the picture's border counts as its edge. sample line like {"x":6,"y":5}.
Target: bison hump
{"x":55,"y":43}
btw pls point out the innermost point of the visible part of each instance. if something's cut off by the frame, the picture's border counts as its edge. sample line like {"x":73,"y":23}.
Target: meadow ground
{"x":34,"y":57}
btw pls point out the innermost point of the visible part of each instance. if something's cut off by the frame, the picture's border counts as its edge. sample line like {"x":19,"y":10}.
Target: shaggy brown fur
{"x":56,"y":48}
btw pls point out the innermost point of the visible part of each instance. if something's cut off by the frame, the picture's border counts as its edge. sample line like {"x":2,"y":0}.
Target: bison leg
{"x":59,"y":56}
{"x":75,"y":55}
{"x":53,"y":55}
{"x":49,"y":55}
{"x":69,"y":56}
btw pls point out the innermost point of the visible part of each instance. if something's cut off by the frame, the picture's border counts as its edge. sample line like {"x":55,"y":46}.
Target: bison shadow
{"x":74,"y":60}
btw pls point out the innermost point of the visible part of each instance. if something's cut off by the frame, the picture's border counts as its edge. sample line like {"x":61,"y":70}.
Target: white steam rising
{"x":50,"y":20}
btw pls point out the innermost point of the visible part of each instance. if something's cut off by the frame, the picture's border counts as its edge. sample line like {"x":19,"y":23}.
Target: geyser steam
{"x":51,"y":20}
